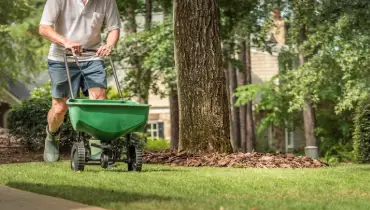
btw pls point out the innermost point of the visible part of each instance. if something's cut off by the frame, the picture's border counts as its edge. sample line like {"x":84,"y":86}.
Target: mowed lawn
{"x":164,"y":187}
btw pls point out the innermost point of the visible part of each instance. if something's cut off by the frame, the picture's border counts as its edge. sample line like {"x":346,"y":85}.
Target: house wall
{"x":264,"y":66}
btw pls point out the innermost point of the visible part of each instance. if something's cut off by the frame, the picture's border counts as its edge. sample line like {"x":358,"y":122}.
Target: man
{"x":75,"y":25}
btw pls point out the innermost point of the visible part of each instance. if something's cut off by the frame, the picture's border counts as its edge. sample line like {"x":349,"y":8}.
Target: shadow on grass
{"x":122,"y":168}
{"x":150,"y":170}
{"x":89,"y":195}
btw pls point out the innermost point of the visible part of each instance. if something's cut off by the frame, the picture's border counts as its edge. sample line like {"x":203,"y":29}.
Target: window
{"x":155,"y":129}
{"x":289,"y":140}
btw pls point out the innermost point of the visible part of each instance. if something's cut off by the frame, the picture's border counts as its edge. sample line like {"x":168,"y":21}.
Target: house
{"x":13,"y":94}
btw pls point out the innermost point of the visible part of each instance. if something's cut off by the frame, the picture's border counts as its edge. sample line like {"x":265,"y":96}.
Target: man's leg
{"x":95,"y":84}
{"x":55,"y":119}
{"x":56,"y":115}
{"x":95,"y":80}
{"x":97,"y":93}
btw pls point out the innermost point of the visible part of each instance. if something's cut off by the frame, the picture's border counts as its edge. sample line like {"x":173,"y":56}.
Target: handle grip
{"x":68,"y":51}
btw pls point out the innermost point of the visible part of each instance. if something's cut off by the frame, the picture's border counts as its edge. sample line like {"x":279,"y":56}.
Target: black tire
{"x":134,"y":158}
{"x":104,"y":160}
{"x":78,"y":157}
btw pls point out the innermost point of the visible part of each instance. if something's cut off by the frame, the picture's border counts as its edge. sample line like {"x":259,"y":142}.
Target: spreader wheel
{"x":78,"y":157}
{"x":134,"y":158}
{"x":104,"y":160}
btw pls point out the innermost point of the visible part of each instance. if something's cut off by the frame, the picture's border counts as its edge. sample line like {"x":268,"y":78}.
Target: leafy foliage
{"x":362,"y":132}
{"x":156,"y":144}
{"x":336,"y":49}
{"x":155,"y":48}
{"x":22,"y":48}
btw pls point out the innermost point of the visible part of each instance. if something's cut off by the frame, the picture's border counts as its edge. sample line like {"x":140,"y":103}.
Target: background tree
{"x":22,"y":49}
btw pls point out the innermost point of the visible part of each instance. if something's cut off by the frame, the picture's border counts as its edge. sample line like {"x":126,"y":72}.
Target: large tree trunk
{"x":203,"y":103}
{"x":251,"y":138}
{"x":174,"y":112}
{"x":242,"y":108}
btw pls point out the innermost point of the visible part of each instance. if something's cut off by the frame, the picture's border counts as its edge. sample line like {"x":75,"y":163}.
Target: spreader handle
{"x":68,"y":51}
{"x":91,"y":50}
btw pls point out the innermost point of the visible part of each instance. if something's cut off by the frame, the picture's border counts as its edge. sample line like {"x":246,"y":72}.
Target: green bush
{"x":28,"y":121}
{"x":362,"y":132}
{"x":156,"y":144}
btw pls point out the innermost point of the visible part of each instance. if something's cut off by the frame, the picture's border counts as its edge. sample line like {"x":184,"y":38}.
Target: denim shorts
{"x":91,"y":75}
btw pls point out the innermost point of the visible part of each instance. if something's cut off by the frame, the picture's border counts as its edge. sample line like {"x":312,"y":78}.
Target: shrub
{"x":28,"y":121}
{"x":156,"y":144}
{"x":362,"y":132}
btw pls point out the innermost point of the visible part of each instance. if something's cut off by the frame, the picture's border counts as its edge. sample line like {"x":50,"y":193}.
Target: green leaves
{"x":156,"y":50}
{"x":23,"y":50}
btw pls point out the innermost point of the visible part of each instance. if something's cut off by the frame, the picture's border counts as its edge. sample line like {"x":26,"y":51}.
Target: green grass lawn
{"x":162,"y":187}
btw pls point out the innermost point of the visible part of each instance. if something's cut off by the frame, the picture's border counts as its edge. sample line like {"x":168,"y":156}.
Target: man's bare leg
{"x":97,"y":93}
{"x":55,"y":119}
{"x":56,"y":114}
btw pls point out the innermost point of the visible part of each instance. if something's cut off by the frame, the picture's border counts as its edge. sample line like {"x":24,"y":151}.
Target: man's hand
{"x":76,"y":48}
{"x":104,"y":50}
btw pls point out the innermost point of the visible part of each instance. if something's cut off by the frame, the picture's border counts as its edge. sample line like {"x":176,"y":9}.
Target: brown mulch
{"x":10,"y":152}
{"x":18,"y":155}
{"x":7,"y":140}
{"x":23,"y":155}
{"x":238,"y":160}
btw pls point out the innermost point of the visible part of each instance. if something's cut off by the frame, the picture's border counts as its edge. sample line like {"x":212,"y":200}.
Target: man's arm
{"x":113,"y":37}
{"x":50,"y":34}
{"x":113,"y":22}
{"x":49,"y":16}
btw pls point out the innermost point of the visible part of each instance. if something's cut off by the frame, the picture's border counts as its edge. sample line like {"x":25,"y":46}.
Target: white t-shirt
{"x":80,"y":23}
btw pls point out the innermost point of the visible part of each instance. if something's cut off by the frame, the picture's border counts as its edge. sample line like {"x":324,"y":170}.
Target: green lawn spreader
{"x":111,"y":125}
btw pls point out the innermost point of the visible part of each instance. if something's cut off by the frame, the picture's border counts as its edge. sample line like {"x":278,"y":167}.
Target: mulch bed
{"x":238,"y":160}
{"x":11,"y":154}
{"x":22,"y":155}
{"x":18,"y":155}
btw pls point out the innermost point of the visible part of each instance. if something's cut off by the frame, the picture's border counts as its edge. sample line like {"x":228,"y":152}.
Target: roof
{"x":18,"y":90}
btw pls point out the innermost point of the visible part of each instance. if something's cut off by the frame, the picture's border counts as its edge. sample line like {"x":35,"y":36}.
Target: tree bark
{"x":234,"y":111}
{"x":203,"y":103}
{"x":309,"y":117}
{"x":147,"y":73}
{"x":251,"y":138}
{"x":174,"y":112}
{"x":131,"y":25}
{"x":148,"y":14}
{"x":243,"y":108}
